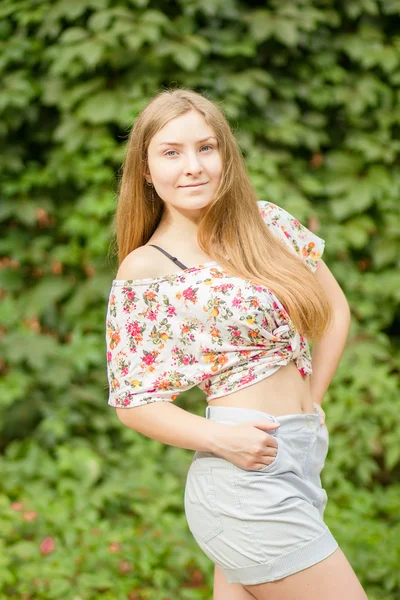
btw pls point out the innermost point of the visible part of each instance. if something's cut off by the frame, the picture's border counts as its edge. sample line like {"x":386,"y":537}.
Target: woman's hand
{"x":321,"y":413}
{"x":248,"y":445}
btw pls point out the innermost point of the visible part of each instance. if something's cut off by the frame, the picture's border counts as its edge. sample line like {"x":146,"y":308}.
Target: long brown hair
{"x":231,"y":225}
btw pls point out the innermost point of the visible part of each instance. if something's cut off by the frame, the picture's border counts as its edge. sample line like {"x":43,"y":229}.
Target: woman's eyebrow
{"x":179,"y":144}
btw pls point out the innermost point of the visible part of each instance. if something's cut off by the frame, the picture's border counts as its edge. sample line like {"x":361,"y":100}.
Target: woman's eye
{"x":169,"y":151}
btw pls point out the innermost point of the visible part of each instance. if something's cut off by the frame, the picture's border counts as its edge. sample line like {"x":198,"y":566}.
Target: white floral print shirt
{"x":203,"y":327}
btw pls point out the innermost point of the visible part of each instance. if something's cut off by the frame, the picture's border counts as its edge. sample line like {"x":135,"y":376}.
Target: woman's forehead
{"x":190,"y":128}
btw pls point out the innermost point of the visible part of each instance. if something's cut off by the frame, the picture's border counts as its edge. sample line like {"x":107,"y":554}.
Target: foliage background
{"x":89,"y":508}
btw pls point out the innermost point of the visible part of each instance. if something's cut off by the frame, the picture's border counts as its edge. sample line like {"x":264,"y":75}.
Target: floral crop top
{"x":203,"y":327}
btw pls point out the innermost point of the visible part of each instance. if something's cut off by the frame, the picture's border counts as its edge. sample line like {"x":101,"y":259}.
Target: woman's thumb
{"x":265,"y":425}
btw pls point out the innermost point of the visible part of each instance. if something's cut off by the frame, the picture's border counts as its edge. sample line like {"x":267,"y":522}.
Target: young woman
{"x":233,"y":315}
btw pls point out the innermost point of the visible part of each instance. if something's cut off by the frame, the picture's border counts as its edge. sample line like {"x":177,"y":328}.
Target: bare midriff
{"x":285,"y":392}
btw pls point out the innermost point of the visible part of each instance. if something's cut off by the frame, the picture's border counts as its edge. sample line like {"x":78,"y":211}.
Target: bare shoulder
{"x":138,"y":264}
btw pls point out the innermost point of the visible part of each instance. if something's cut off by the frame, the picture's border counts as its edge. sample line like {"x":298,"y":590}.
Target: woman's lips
{"x":194,"y":185}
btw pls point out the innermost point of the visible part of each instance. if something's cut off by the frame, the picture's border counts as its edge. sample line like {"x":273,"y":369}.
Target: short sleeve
{"x":147,"y":358}
{"x":308,"y":246}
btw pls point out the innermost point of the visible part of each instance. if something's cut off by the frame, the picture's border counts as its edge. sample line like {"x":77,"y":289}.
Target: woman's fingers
{"x":321,"y":413}
{"x":271,"y":451}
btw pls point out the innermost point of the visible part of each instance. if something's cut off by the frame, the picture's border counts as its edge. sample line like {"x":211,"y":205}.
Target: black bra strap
{"x":173,"y":258}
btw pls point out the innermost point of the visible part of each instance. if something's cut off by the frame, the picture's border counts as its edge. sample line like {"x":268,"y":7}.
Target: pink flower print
{"x":109,"y":356}
{"x":224,"y":287}
{"x":246,"y":379}
{"x":188,"y":294}
{"x":186,"y":360}
{"x":130,"y":295}
{"x":133,"y":329}
{"x":148,"y":359}
{"x":152,"y":315}
{"x":236,"y":301}
{"x":171,"y":310}
{"x":236,"y":332}
{"x":125,"y":401}
{"x":124,"y":371}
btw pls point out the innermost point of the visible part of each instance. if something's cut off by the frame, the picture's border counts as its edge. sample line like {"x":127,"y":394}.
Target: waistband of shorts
{"x":234,"y":414}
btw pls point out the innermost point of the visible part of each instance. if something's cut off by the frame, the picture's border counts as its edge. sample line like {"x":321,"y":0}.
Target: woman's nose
{"x":193,"y":164}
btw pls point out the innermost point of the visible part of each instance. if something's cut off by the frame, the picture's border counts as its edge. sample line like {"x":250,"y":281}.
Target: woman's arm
{"x":168,"y":423}
{"x":326,"y":353}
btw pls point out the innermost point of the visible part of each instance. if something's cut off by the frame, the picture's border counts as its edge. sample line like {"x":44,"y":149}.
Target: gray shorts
{"x":260,"y":526}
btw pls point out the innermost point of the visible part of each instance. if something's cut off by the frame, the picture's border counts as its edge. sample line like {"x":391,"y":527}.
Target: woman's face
{"x":183,"y":154}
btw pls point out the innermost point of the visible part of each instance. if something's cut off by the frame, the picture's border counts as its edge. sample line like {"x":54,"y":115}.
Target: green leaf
{"x":261,"y":24}
{"x":186,"y":57}
{"x":99,"y":108}
{"x":99,"y":21}
{"x":286,"y":32}
{"x":73,"y":34}
{"x":29,"y":347}
{"x":46,"y":293}
{"x":59,"y":587}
